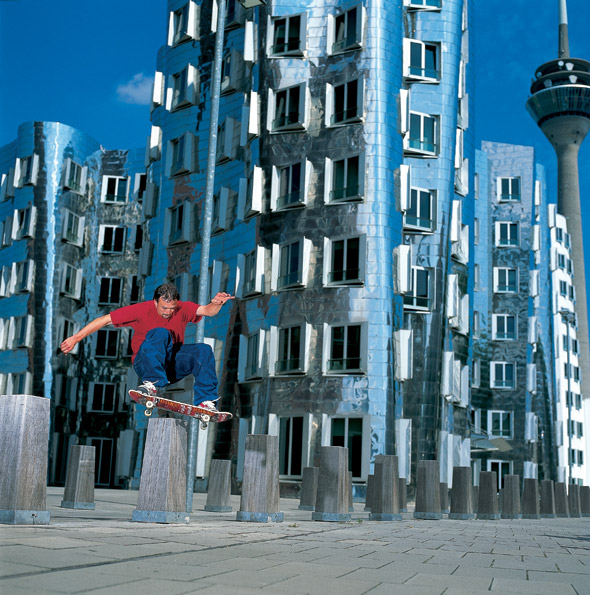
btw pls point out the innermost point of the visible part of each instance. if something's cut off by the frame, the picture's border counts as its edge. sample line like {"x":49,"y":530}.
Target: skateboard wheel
{"x":148,"y":412}
{"x":205,"y":418}
{"x":149,"y":404}
{"x":203,"y":426}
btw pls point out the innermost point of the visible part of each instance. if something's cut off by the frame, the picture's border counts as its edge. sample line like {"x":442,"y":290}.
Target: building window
{"x":424,"y":4}
{"x":176,"y":223}
{"x":140,"y":186}
{"x":563,"y":288}
{"x":501,"y":469}
{"x":110,"y":290}
{"x":504,"y":327}
{"x":251,"y":284}
{"x":346,"y":103}
{"x":290,"y":186}
{"x":290,"y":358}
{"x":107,"y":344}
{"x":290,"y":265}
{"x":506,"y":234}
{"x":348,"y":432}
{"x":183,"y":24}
{"x":345,"y":179}
{"x":138,"y":238}
{"x":253,"y":357}
{"x":290,"y":446}
{"x":73,"y":228}
{"x":503,"y":375}
{"x":24,"y":274}
{"x":178,"y":154}
{"x":23,"y":223}
{"x":289,"y":109}
{"x":179,"y":84}
{"x":114,"y":189}
{"x":422,"y":138}
{"x":505,"y":280}
{"x":419,"y":298}
{"x":420,"y":212}
{"x":26,"y":171}
{"x":421,"y":60}
{"x":500,"y":424}
{"x":111,"y":239}
{"x":74,"y":177}
{"x":345,"y":261}
{"x":348,"y":32}
{"x":288,"y":35}
{"x":232,"y":72}
{"x":134,"y":290}
{"x":103,"y":397}
{"x":509,"y":189}
{"x":345,"y":350}
{"x":23,"y":331}
{"x":71,"y":281}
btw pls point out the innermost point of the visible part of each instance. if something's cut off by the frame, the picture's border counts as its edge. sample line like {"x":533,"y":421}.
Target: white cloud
{"x":137,"y":91}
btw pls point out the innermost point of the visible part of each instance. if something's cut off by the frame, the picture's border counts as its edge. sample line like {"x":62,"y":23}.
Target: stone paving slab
{"x":103,"y":552}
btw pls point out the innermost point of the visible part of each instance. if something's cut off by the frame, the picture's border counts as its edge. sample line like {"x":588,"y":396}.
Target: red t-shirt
{"x":143,"y":317}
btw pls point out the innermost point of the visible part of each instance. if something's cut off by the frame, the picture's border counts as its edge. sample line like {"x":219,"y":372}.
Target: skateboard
{"x":204,"y":415}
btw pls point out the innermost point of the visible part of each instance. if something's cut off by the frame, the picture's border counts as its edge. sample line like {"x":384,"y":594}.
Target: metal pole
{"x":206,"y":237}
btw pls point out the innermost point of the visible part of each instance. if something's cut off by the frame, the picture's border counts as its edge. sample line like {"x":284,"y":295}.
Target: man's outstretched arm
{"x":215,"y":305}
{"x":90,"y":328}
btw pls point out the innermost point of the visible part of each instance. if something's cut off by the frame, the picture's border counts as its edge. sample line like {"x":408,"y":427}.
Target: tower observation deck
{"x":560,"y":105}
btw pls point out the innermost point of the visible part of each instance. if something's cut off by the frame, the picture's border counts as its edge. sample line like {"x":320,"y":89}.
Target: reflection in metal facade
{"x":342,"y":220}
{"x":513,"y":396}
{"x":68,"y":216}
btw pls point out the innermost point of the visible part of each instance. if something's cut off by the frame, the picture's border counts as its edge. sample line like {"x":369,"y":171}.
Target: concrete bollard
{"x":444,"y":497}
{"x":332,"y":498}
{"x":369,"y":492}
{"x":547,"y":510}
{"x":309,"y":488}
{"x":487,"y":505}
{"x":385,"y":505}
{"x":428,"y":491}
{"x":561,"y":504}
{"x":79,"y":489}
{"x":162,"y":488}
{"x":530,"y":499}
{"x":475,"y":498}
{"x":511,"y":497}
{"x":219,"y":487}
{"x":24,"y":436}
{"x":573,"y":500}
{"x":403,"y":495}
{"x":260,"y":501}
{"x":349,"y":489}
{"x":461,"y":495}
{"x":585,"y":501}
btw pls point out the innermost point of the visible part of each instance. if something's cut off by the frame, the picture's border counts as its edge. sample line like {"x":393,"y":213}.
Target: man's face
{"x":165,"y":309}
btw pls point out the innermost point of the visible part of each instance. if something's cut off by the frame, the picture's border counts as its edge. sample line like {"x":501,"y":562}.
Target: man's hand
{"x":68,"y":344}
{"x":215,"y":305}
{"x":221,"y":298}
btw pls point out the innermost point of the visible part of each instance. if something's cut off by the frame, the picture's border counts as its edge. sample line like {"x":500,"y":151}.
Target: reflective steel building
{"x":342,"y":220}
{"x":69,"y":214}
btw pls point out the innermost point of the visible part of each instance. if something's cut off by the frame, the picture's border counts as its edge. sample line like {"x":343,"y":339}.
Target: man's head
{"x":166,"y":298}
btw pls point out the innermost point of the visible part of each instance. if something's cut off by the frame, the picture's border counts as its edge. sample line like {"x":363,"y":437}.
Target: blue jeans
{"x":162,"y":362}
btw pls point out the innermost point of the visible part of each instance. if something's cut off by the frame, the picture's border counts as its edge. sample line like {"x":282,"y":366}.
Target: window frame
{"x":511,"y":196}
{"x":118,"y":237}
{"x":420,"y":303}
{"x":433,"y":76}
{"x":111,"y":281}
{"x":422,"y":148}
{"x":330,"y":368}
{"x":291,"y":124}
{"x":332,"y":194}
{"x":505,"y":336}
{"x":352,"y":100}
{"x":111,"y":346}
{"x":510,"y":241}
{"x":503,"y":383}
{"x":329,"y":258}
{"x":118,"y":198}
{"x":418,"y":226}
{"x":506,"y":434}
{"x":346,"y":42}
{"x":285,"y":51}
{"x":507,"y":288}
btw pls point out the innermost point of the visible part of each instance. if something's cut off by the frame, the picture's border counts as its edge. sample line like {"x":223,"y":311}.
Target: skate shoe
{"x":209,"y":405}
{"x":149,"y":389}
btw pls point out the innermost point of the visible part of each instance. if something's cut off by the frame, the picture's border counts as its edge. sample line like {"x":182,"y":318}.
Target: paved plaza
{"x":102,"y":551}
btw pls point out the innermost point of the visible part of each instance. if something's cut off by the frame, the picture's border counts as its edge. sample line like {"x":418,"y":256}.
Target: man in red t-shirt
{"x":160,"y":356}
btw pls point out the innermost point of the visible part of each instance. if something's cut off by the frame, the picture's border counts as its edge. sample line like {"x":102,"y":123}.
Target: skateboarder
{"x":160,"y":356}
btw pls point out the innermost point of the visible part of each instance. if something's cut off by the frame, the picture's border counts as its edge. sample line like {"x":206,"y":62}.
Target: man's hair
{"x":167,"y":292}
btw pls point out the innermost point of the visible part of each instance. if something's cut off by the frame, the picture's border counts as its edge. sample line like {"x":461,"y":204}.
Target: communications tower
{"x":560,"y":105}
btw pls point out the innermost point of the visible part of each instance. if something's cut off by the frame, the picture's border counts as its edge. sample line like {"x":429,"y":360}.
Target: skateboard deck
{"x":204,"y":415}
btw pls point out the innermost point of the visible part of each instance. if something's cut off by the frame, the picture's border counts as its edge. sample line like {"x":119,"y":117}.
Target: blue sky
{"x":90,"y":65}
